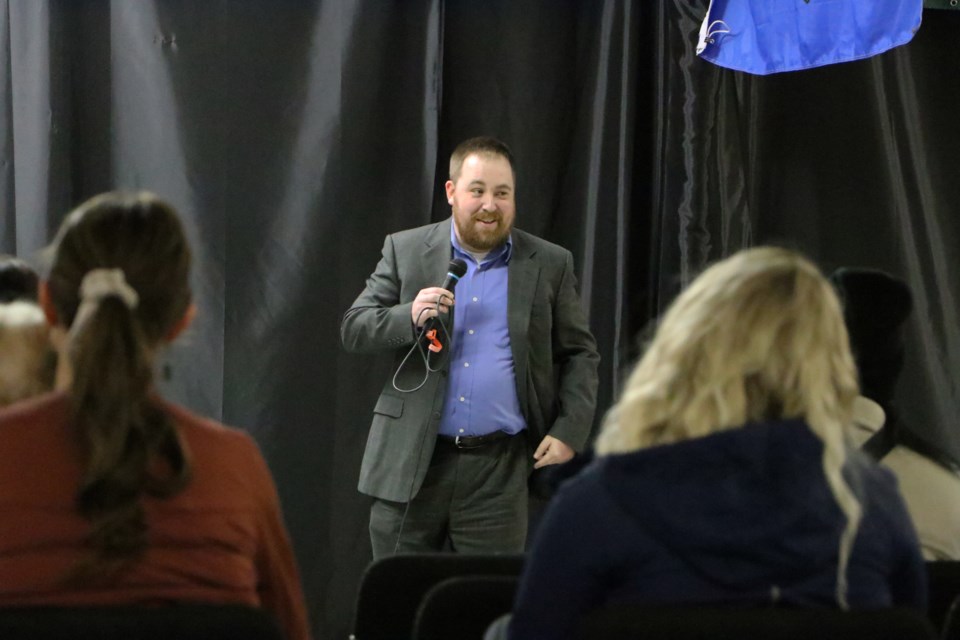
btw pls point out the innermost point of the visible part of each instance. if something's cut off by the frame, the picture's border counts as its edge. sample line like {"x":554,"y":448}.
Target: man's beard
{"x":480,"y":238}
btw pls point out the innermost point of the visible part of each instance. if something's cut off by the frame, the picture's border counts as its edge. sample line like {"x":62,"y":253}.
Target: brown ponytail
{"x":130,"y":445}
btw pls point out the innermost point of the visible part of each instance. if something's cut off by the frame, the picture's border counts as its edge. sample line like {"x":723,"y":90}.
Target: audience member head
{"x":17,"y":280}
{"x":118,"y":285}
{"x":876,"y":306}
{"x":26,"y":359}
{"x":757,"y":337}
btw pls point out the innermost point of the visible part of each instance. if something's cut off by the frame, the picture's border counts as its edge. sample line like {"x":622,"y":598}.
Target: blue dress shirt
{"x":481,"y":388}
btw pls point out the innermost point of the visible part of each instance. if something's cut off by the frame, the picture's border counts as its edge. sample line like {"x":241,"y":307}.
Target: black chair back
{"x":950,"y":629}
{"x":631,"y":622}
{"x":463,"y":608}
{"x":943,"y":587}
{"x":392,"y":588}
{"x":167,"y":622}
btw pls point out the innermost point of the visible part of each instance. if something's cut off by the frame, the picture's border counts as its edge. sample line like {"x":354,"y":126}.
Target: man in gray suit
{"x":513,"y":385}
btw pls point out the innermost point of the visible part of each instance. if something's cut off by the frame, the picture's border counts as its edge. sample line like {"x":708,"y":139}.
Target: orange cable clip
{"x":434,"y":345}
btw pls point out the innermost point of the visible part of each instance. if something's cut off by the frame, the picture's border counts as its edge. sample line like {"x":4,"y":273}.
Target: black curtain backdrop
{"x":294,"y":134}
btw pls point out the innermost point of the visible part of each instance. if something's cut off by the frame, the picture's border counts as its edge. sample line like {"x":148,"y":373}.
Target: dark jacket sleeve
{"x":377,"y":320}
{"x":575,"y":354}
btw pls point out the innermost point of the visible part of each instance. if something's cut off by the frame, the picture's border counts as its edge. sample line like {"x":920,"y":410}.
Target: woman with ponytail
{"x":722,"y":474}
{"x":109,"y":494}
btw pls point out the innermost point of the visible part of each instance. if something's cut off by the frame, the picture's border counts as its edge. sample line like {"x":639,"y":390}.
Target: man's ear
{"x":43,"y":294}
{"x":451,"y":189}
{"x":182,"y":323}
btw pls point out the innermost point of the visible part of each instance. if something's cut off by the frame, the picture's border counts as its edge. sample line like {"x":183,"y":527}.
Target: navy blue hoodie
{"x":741,"y":516}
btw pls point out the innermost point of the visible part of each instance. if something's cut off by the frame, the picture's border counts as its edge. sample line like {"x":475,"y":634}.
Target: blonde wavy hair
{"x":758,"y":336}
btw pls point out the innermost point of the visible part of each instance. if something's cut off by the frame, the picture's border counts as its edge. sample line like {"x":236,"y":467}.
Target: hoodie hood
{"x":745,"y":508}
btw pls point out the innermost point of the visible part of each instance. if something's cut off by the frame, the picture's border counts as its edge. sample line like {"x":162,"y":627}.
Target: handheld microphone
{"x":429,"y":338}
{"x":455,"y":271}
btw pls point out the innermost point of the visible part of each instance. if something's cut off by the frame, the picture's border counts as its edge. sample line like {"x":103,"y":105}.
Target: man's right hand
{"x":425,"y":304}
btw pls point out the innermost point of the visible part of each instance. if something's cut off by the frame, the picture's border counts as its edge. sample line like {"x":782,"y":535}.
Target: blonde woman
{"x":722,"y":474}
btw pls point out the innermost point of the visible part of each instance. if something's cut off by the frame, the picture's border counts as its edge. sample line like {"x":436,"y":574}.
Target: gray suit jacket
{"x":554,"y":355}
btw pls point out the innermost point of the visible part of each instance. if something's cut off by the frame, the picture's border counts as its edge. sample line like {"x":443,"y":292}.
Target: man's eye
{"x":477,"y":192}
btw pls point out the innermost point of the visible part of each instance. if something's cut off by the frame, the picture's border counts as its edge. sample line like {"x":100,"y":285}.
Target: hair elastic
{"x":103,"y":283}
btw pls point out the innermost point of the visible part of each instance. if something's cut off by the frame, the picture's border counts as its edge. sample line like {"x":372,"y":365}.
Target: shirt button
{"x":461,"y":430}
{"x":470,"y":331}
{"x":466,"y":364}
{"x":475,"y":298}
{"x":462,"y":399}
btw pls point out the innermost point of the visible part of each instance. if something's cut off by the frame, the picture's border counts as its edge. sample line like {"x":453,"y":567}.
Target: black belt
{"x":472,"y":442}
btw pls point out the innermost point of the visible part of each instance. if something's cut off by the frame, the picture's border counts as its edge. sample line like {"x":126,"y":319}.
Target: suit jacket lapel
{"x":436,"y":254}
{"x":434,"y":262}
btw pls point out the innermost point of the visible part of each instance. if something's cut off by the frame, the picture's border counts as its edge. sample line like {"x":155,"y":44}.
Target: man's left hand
{"x":551,"y":451}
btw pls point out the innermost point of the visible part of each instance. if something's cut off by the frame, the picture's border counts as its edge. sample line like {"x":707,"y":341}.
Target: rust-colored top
{"x":221,"y":540}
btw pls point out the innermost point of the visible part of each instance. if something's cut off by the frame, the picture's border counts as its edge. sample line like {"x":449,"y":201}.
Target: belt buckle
{"x":456,"y":442}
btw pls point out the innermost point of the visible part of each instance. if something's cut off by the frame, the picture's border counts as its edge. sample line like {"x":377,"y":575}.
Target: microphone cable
{"x":457,"y":269}
{"x":418,"y":347}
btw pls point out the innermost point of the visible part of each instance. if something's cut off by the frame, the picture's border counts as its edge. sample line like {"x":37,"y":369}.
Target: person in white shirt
{"x":876,"y":308}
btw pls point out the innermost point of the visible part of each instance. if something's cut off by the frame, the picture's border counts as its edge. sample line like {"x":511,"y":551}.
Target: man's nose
{"x":489,"y":203}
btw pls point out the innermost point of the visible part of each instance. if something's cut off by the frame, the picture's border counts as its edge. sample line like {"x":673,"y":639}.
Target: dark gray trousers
{"x":471,"y":501}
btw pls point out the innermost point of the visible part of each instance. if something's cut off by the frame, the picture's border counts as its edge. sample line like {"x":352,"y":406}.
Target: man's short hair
{"x":483,"y":146}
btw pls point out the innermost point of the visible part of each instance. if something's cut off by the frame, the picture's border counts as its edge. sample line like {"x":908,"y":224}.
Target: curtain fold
{"x":294,"y":136}
{"x":850,"y":163}
{"x":34,"y":34}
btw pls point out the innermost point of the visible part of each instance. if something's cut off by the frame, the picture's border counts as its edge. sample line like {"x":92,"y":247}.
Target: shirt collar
{"x":504,"y":251}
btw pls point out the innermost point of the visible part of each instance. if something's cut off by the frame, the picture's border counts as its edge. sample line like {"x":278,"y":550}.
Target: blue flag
{"x":770,"y":36}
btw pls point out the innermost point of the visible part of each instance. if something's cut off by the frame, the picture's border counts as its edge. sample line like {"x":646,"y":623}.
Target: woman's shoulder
{"x":53,"y":402}
{"x":876,"y":479}
{"x":34,"y":442}
{"x":222,"y":455}
{"x":195,"y":424}
{"x":878,"y":489}
{"x":36,"y":417}
{"x":595,"y":487}
{"x":204,"y":435}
